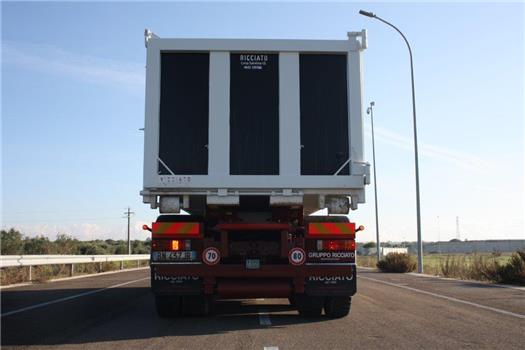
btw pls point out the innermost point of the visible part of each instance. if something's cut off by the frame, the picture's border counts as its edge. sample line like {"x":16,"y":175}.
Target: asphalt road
{"x":389,"y":311}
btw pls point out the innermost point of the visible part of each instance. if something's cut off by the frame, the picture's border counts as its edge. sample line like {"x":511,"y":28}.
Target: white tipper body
{"x":172,"y":192}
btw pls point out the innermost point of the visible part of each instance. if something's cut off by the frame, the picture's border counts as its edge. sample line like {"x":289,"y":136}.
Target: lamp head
{"x":367,"y":14}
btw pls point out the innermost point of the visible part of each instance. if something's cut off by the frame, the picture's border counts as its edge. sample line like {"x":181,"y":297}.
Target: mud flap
{"x":162,"y":284}
{"x":331,"y":285}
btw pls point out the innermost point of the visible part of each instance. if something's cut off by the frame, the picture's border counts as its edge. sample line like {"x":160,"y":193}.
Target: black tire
{"x":309,"y":306}
{"x":195,"y":305}
{"x":179,"y":218}
{"x":309,"y":219}
{"x":167,"y":306}
{"x":292,"y":301}
{"x":337,"y":307}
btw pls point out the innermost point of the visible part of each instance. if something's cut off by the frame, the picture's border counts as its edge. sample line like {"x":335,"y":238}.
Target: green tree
{"x":369,"y":245}
{"x":11,"y":242}
{"x":92,"y":249}
{"x":37,"y":245}
{"x":65,"y":244}
{"x":139,"y":247}
{"x":121,"y":249}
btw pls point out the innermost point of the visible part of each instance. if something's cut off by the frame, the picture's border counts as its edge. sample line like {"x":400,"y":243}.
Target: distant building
{"x":384,"y":250}
{"x":488,"y":246}
{"x":388,"y":250}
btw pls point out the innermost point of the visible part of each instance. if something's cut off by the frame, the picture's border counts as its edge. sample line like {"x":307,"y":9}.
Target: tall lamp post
{"x":370,"y":110}
{"x":418,"y":206}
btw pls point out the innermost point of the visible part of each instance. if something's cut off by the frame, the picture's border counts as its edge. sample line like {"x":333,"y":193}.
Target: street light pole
{"x":418,"y":206}
{"x":370,"y":110}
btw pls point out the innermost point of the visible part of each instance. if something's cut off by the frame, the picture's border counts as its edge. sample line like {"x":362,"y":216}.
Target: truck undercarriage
{"x":253,"y":251}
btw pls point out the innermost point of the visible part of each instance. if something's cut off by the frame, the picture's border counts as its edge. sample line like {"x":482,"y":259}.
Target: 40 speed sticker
{"x":211,"y":256}
{"x":297,"y":256}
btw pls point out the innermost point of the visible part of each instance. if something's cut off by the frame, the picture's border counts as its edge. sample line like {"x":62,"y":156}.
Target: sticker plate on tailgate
{"x":253,"y":264}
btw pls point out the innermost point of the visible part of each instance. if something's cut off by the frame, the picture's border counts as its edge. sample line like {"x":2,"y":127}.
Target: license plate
{"x":253,"y":264}
{"x":184,"y":255}
{"x":175,"y":256}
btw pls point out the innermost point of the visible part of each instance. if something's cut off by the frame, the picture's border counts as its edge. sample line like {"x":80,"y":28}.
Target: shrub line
{"x":72,"y":278}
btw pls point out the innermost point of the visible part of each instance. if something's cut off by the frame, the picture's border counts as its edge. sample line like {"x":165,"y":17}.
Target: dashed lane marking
{"x":508,"y":313}
{"x":71,"y":297}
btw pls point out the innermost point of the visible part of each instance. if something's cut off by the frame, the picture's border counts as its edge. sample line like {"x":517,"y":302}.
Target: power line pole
{"x":439,"y":236}
{"x":128,"y":214}
{"x":457,"y":228}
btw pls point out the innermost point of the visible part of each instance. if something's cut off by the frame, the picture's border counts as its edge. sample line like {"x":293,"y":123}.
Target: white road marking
{"x":508,"y":313}
{"x":271,"y":348}
{"x":32,"y":307}
{"x":264,"y":319}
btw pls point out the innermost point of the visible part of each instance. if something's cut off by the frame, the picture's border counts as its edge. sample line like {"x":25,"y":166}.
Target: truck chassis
{"x":309,"y":260}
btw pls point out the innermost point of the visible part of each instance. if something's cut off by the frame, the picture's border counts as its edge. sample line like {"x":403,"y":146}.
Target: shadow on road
{"x":123,"y":314}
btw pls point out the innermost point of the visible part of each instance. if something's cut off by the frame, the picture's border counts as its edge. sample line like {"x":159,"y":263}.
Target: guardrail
{"x":36,"y":260}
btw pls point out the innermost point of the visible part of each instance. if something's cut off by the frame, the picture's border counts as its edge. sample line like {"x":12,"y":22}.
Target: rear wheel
{"x":167,"y":306}
{"x":337,"y":307}
{"x":309,"y":306}
{"x":195,"y":305}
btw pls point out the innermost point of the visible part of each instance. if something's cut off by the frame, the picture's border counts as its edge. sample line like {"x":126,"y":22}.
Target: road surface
{"x":390,"y":311}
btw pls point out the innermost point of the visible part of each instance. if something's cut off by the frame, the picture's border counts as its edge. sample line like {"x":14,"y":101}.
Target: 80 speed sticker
{"x":211,"y":256}
{"x":297,"y":256}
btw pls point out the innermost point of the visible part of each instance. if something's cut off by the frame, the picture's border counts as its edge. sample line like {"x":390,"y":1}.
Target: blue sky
{"x":73,"y":101}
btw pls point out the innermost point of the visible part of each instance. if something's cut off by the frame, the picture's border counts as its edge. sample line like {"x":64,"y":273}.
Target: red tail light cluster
{"x":336,"y":244}
{"x":170,"y":244}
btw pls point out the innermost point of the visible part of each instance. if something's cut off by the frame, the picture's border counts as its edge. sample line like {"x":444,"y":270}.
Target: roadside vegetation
{"x":397,"y":262}
{"x":13,"y":242}
{"x":494,"y":268}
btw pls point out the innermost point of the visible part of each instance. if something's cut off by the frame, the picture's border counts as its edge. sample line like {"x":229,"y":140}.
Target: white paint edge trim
{"x":71,"y":278}
{"x":71,"y":297}
{"x":508,"y":313}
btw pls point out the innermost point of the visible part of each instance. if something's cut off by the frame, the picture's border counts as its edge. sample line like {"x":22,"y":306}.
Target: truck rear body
{"x":250,"y":137}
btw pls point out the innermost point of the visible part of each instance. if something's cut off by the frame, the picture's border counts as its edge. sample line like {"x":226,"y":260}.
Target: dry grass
{"x":11,"y":275}
{"x":496,"y":267}
{"x":366,"y":261}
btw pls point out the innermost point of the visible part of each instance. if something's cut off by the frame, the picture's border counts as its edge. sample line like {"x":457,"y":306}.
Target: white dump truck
{"x":244,"y":139}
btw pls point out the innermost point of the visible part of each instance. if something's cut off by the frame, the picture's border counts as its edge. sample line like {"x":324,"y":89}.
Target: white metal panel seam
{"x":289,"y":114}
{"x":152,"y":115}
{"x":219,"y":114}
{"x":355,"y":98}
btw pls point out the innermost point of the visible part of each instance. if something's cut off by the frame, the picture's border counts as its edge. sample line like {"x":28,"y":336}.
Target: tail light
{"x":335,"y":245}
{"x":171,"y":244}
